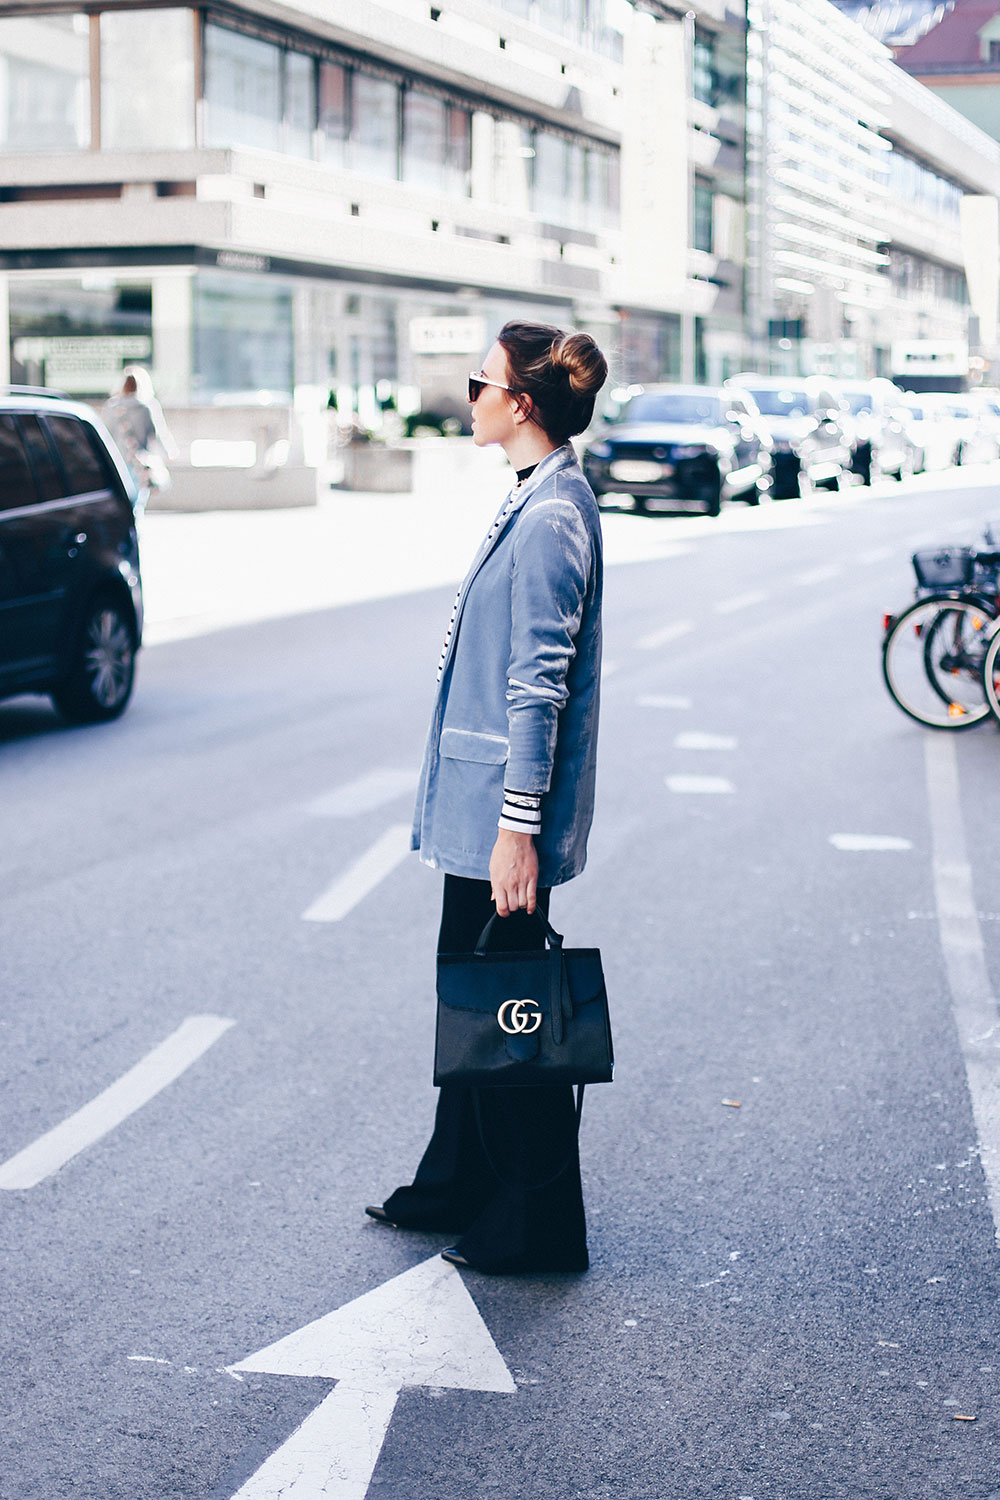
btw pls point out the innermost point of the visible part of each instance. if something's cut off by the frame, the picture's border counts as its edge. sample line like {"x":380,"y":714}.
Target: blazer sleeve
{"x":551,"y":570}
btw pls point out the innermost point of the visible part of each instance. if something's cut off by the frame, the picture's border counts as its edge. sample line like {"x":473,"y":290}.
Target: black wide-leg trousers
{"x":508,"y":1172}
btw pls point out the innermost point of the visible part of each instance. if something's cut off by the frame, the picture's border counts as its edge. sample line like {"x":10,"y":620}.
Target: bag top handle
{"x":554,"y":938}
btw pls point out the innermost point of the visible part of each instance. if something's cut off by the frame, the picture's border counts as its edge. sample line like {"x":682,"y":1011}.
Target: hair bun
{"x":585,"y":365}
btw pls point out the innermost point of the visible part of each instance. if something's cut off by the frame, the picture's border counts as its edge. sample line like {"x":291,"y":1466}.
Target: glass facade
{"x":910,"y":180}
{"x":243,"y":344}
{"x":156,"y":46}
{"x":242,"y":90}
{"x":573,"y":184}
{"x":45,"y":83}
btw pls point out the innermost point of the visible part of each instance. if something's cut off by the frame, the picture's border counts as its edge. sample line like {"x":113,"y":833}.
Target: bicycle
{"x":934,"y":653}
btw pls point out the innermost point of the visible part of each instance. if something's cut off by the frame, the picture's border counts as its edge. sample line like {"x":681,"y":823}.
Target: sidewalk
{"x":213,"y":569}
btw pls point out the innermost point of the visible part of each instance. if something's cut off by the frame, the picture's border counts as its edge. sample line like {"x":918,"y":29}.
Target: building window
{"x":242,"y":90}
{"x":425,"y":139}
{"x":300,"y":103}
{"x":703,"y":70}
{"x":374,"y":126}
{"x":702,"y":227}
{"x":994,"y":52}
{"x":334,"y":113}
{"x":45,"y":83}
{"x":156,"y":46}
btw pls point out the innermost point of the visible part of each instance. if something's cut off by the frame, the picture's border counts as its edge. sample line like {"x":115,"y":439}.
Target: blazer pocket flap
{"x":470,"y":744}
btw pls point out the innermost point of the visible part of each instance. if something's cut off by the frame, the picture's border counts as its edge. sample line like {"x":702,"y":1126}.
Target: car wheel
{"x":713,"y":501}
{"x":102,"y":671}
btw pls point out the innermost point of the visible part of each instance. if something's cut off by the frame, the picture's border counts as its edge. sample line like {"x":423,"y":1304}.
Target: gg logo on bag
{"x":516,"y":1020}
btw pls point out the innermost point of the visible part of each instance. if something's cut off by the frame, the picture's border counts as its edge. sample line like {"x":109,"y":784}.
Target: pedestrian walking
{"x":135,"y":420}
{"x":506,"y":793}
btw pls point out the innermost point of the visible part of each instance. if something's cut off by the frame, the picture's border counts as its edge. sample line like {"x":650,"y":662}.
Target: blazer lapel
{"x":559,"y":458}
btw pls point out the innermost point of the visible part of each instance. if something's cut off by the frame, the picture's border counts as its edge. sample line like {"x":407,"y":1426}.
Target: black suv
{"x":70,"y":594}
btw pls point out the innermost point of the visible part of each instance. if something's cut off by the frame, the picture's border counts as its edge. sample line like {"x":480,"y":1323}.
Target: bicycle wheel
{"x":932,"y":662}
{"x":991,"y":674}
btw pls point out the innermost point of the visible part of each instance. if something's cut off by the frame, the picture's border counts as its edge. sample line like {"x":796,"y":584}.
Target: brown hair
{"x":561,"y":372}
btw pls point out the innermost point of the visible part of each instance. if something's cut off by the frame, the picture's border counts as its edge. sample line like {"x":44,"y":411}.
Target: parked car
{"x":974,"y":439}
{"x":930,"y":431}
{"x":687,"y":444}
{"x":70,"y":591}
{"x":880,"y":431}
{"x":809,"y":430}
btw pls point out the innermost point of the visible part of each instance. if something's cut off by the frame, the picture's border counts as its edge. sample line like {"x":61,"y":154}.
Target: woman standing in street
{"x":506,"y":793}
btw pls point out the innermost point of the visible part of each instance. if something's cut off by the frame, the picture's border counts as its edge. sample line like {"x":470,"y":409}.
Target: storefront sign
{"x":930,"y":357}
{"x":82,"y":365}
{"x":447,"y":335}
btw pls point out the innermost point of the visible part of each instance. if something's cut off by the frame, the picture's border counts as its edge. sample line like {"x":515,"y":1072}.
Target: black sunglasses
{"x":478,"y":383}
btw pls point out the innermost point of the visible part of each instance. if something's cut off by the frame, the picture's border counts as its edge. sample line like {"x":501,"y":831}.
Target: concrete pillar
{"x":172,"y":336}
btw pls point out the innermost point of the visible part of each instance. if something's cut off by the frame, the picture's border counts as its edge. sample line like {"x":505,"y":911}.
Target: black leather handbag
{"x":526,"y":1019}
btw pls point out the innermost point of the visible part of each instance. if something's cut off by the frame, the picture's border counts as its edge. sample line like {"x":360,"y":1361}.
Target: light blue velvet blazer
{"x":517,"y":703}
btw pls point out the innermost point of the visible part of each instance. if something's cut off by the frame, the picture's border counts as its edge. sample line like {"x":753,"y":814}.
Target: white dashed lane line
{"x":662,"y":700}
{"x":699,"y":785}
{"x":373,"y":790}
{"x":695,"y":740}
{"x":742,"y":601}
{"x":868,"y":843}
{"x":160,"y":1067}
{"x":813,"y":576}
{"x":363,"y":876}
{"x":664,"y":635}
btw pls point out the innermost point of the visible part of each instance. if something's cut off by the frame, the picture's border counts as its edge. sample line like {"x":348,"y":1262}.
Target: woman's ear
{"x":522,"y":408}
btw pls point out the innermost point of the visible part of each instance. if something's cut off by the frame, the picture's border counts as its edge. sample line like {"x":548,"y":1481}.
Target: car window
{"x":786,"y":402}
{"x":17,"y":488}
{"x":669,"y":406}
{"x":51,"y":484}
{"x":84,"y":470}
{"x":858,"y":402}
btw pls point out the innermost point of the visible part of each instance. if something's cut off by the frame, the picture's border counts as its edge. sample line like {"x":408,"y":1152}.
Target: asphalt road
{"x":793,"y":1293}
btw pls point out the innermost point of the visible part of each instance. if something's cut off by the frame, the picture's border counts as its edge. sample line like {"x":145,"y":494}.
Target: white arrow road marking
{"x":661,"y":700}
{"x":865,"y":843}
{"x":697,"y":741}
{"x":421,"y":1328}
{"x":698,"y":785}
{"x":664,"y":635}
{"x":974,"y":1004}
{"x":363,"y":876}
{"x":742,"y":601}
{"x":365,"y":794}
{"x":134,"y":1089}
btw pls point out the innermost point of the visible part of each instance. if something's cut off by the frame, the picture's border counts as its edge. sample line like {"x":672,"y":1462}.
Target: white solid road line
{"x":364,"y":875}
{"x":864,"y":843}
{"x":974,"y":1005}
{"x":365,"y":794}
{"x":134,"y":1089}
{"x":742,"y":601}
{"x":664,"y":635}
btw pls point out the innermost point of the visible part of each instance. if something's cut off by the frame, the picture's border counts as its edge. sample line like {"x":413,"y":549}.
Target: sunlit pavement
{"x":207,"y":571}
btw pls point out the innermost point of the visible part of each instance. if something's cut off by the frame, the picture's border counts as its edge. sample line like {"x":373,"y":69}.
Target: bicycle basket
{"x":944,"y":567}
